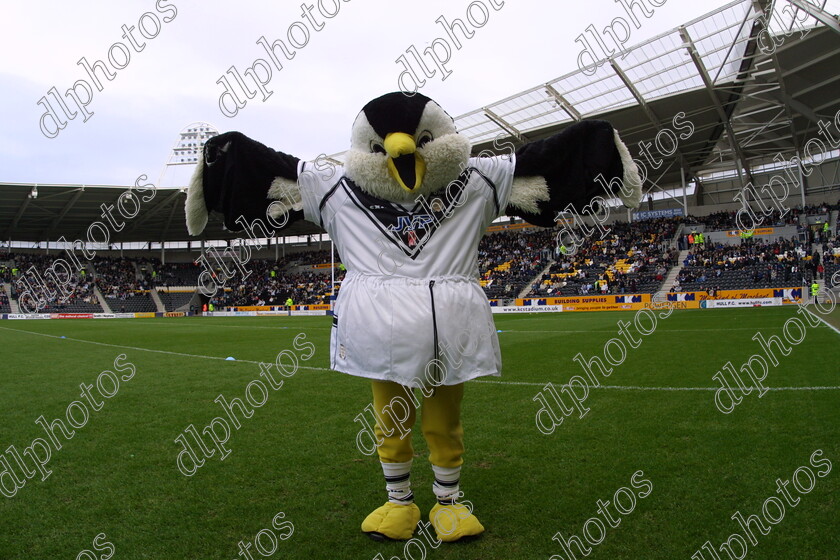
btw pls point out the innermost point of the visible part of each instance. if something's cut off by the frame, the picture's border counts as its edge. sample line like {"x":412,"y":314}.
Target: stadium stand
{"x":80,"y":299}
{"x":172,"y":301}
{"x":509,"y":261}
{"x":718,"y":221}
{"x":136,"y":303}
{"x":629,"y":258}
{"x":304,"y":288}
{"x":124,"y":289}
{"x":713,"y":72}
{"x":170,"y":274}
{"x":753,"y":264}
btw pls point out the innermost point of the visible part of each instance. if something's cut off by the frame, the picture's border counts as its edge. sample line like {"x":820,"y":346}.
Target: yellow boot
{"x":454,"y":522}
{"x":392,"y":521}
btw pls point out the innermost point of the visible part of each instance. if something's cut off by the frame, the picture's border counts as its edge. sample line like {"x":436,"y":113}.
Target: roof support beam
{"x":652,"y":117}
{"x":154,"y":211}
{"x":637,"y":95}
{"x":798,"y":106}
{"x":662,"y":173}
{"x":20,"y":212}
{"x":758,"y":113}
{"x":737,"y":34}
{"x":169,"y":222}
{"x":811,"y":62}
{"x":818,"y":14}
{"x":509,"y":128}
{"x":755,"y":132}
{"x":724,"y":118}
{"x":564,"y":104}
{"x":817,"y":85}
{"x":67,"y":207}
{"x":699,"y":191}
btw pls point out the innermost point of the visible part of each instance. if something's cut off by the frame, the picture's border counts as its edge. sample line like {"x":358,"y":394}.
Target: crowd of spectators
{"x":311,"y":257}
{"x":831,"y":250}
{"x":628,"y":258}
{"x":50,"y":297}
{"x":117,"y":278}
{"x":509,"y":260}
{"x":6,"y":267}
{"x":269,"y":284}
{"x":722,"y":221}
{"x":169,"y":274}
{"x":762,"y":263}
{"x":793,"y":216}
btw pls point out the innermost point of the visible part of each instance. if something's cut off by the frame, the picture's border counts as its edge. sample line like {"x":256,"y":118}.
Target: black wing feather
{"x":570,"y":161}
{"x":238,"y":172}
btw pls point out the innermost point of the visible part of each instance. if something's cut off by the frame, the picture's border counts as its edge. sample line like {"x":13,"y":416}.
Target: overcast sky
{"x":171,"y":82}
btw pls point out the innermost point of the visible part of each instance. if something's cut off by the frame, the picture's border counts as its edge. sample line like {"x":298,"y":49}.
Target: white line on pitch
{"x":662,"y":330}
{"x":181,"y":325}
{"x":489,"y":382}
{"x":613,"y":330}
{"x":149,"y":349}
{"x":633,"y":388}
{"x":827,"y":324}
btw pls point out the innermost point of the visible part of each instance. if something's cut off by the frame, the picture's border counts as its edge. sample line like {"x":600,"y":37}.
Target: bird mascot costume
{"x":406,"y":212}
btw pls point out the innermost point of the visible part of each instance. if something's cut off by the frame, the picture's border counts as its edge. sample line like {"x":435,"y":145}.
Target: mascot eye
{"x":377,"y":148}
{"x":425,"y":138}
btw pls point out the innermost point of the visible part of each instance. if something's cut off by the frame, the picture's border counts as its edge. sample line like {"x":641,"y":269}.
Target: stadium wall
{"x":680,"y":300}
{"x":611,"y":302}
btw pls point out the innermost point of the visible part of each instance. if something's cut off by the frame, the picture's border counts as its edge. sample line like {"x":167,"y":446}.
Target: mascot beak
{"x":405,"y":164}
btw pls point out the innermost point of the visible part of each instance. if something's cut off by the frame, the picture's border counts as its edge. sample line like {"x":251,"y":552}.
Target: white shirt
{"x":385,"y":325}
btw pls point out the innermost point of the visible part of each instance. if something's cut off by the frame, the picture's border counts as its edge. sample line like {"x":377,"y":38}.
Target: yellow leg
{"x":395,"y":415}
{"x":395,"y":411}
{"x":441,"y":425}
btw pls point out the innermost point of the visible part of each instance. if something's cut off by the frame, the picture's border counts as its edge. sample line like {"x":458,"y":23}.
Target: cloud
{"x":172,"y":81}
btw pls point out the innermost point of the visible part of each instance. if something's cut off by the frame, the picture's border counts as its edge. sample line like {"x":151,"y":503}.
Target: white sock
{"x":398,"y":482}
{"x":446,"y":484}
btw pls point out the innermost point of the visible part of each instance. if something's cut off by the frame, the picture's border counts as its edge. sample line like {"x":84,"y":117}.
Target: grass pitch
{"x":297,"y":454}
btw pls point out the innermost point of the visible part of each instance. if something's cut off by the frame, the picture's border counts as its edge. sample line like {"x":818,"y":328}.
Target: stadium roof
{"x":749,"y":96}
{"x":69,"y":210}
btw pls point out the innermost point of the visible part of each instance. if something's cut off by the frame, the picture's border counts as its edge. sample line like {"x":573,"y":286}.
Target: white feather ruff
{"x":195,"y":208}
{"x":527,"y":192}
{"x":446,"y":157}
{"x":631,"y":186}
{"x":287,"y":193}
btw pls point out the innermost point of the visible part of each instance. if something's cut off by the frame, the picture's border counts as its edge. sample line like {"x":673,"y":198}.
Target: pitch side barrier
{"x":17,"y":316}
{"x":675,"y":300}
{"x":295,"y":312}
{"x":286,"y":313}
{"x":271,"y":311}
{"x":609,"y":302}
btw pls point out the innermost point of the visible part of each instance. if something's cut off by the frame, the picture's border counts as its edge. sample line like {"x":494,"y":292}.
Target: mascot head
{"x":404,"y":146}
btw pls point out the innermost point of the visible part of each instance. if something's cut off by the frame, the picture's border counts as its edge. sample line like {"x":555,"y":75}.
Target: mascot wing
{"x":240,"y":177}
{"x":560,"y":170}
